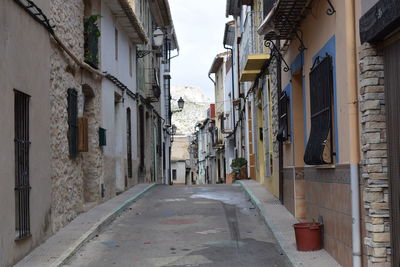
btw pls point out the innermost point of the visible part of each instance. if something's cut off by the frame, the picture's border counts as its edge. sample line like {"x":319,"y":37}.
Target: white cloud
{"x":200,"y":28}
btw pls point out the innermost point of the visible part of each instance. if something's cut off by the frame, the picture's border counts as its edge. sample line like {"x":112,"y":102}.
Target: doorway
{"x":392,"y":95}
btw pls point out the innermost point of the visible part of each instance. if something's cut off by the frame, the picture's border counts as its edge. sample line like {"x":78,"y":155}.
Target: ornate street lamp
{"x":158,"y":41}
{"x":181,"y":104}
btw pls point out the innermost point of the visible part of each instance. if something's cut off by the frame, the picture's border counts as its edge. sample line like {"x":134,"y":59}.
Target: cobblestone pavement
{"x":213,"y":225}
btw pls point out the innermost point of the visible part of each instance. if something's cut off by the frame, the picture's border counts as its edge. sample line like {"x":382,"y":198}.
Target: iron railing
{"x":251,"y":42}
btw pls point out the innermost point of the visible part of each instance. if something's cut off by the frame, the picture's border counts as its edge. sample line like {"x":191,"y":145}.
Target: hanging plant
{"x":92,"y":34}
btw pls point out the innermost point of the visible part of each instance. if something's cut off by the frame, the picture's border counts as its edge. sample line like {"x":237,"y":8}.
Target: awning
{"x":229,"y":34}
{"x":216,"y":64}
{"x":283,"y":19}
{"x":253,"y":67}
{"x":128,"y":21}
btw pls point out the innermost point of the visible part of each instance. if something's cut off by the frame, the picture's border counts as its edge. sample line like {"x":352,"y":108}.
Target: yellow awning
{"x":254,"y":64}
{"x":249,"y":75}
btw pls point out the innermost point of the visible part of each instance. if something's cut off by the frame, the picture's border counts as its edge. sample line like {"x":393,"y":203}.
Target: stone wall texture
{"x":275,"y":108}
{"x":68,"y":175}
{"x":374,"y":167}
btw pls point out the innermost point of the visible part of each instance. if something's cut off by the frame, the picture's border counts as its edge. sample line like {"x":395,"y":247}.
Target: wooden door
{"x":392,"y":95}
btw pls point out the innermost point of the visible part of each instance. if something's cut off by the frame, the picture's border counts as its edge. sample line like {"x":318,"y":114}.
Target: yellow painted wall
{"x":315,"y":39}
{"x":260,"y":147}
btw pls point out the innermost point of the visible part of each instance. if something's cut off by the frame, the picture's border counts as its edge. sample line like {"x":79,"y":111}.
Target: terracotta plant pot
{"x":308,"y":236}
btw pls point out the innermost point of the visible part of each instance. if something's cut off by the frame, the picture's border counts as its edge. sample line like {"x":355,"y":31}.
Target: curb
{"x":95,"y":229}
{"x":275,"y":232}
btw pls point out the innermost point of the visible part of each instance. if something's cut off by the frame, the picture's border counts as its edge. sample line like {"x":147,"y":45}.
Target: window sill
{"x":326,"y":166}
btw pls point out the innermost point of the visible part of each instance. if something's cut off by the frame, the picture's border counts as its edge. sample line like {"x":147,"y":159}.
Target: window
{"x":129,"y":141}
{"x":22,"y":144}
{"x":319,"y":148}
{"x":73,"y":122}
{"x":141,"y":136}
{"x":130,"y":61}
{"x":284,"y":108}
{"x":116,"y":44}
{"x":174,"y":175}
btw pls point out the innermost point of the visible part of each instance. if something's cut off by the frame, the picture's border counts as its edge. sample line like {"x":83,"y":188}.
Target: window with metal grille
{"x":22,"y":144}
{"x":129,"y":141}
{"x":73,"y":122}
{"x":159,"y":137}
{"x":283,"y":133}
{"x":319,"y":148}
{"x":141,"y":137}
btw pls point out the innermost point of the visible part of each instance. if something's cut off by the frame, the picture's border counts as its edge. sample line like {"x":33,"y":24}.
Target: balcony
{"x":253,"y":54}
{"x":152,"y":84}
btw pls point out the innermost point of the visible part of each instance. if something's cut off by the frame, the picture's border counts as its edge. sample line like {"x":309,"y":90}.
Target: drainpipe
{"x":233,"y":94}
{"x":354,"y":126}
{"x":209,"y":77}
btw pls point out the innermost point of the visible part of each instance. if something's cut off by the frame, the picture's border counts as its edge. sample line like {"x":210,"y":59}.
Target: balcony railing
{"x":152,"y":84}
{"x":251,"y":42}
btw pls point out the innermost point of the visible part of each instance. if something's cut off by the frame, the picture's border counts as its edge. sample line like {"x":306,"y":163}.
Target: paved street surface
{"x":185,"y":226}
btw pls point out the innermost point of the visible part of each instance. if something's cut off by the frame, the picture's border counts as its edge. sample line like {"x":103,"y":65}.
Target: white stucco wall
{"x":180,"y":168}
{"x":24,"y":66}
{"x":114,"y":114}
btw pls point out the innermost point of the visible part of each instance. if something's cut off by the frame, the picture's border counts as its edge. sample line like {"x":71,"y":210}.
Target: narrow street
{"x":212,"y":225}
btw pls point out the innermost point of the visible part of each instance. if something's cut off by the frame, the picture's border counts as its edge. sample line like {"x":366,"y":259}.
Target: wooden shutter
{"x":83,"y":135}
{"x":319,"y":146}
{"x":73,"y":122}
{"x":102,"y":137}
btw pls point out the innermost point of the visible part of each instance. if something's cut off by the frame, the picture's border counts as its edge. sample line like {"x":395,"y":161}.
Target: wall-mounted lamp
{"x":158,"y":41}
{"x":181,"y":104}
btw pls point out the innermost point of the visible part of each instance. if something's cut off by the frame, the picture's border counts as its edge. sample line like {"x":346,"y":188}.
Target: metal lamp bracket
{"x":143,"y":53}
{"x":276,"y":53}
{"x":331,"y":10}
{"x":299,"y":35}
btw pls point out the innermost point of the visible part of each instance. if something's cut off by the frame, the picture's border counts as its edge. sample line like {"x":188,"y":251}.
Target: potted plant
{"x":238,"y":166}
{"x":308,"y":236}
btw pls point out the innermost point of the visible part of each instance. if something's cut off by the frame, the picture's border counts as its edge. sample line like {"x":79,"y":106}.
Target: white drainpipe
{"x":351,"y":43}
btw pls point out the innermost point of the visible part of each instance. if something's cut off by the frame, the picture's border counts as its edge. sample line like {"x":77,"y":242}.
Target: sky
{"x":200,"y":29}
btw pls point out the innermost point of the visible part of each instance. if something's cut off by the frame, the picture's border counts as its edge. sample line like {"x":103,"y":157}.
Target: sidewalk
{"x":58,"y":248}
{"x":278,"y":218}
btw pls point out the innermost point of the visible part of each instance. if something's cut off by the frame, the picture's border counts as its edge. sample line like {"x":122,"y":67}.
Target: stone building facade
{"x":374,"y":164}
{"x":73,"y":179}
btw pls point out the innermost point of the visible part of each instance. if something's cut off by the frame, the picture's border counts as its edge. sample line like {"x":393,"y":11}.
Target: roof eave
{"x":128,"y":20}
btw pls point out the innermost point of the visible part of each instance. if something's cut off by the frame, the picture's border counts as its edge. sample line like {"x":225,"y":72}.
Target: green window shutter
{"x":73,"y":122}
{"x":102,"y":137}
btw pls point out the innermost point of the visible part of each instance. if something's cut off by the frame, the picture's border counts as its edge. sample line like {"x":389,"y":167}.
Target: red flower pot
{"x":308,"y":236}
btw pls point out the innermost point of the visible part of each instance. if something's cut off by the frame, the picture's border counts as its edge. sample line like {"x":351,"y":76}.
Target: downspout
{"x":280,"y":144}
{"x":209,"y":77}
{"x":169,"y":182}
{"x":354,"y":132}
{"x":233,"y":94}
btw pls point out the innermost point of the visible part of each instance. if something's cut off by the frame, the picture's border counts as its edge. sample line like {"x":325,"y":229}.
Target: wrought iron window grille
{"x":276,"y":53}
{"x":321,"y":92}
{"x":22,"y":147}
